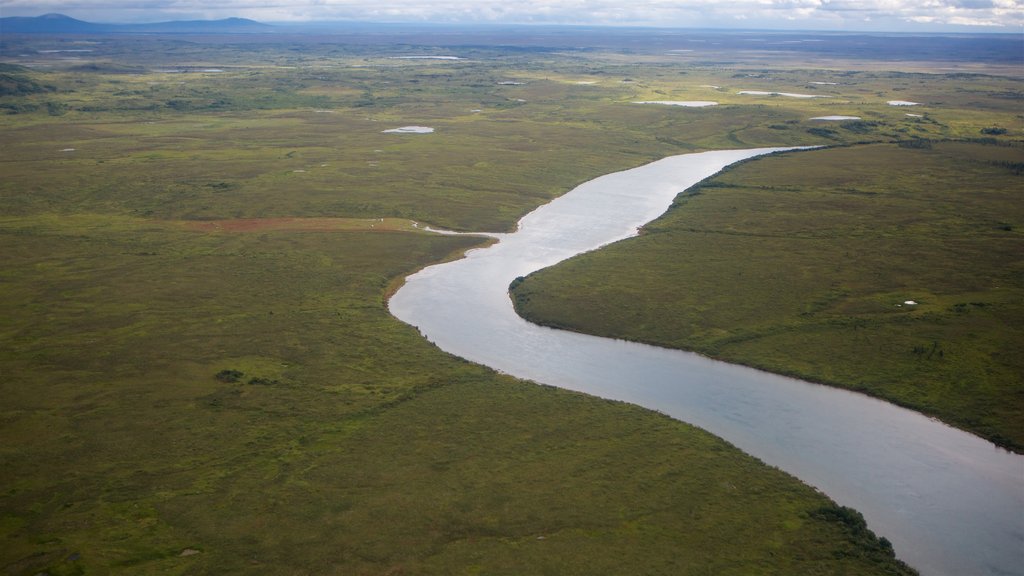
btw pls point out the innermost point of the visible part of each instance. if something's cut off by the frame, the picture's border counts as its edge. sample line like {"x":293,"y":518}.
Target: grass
{"x":345,"y":443}
{"x":230,"y":224}
{"x":802,"y":264}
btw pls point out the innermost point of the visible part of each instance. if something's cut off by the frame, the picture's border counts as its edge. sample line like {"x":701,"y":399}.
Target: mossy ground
{"x":344,"y":442}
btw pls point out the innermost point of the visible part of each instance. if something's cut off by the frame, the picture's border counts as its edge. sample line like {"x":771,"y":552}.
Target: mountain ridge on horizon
{"x":56,"y":23}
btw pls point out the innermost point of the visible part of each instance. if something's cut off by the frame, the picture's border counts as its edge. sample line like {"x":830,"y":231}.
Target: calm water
{"x":951,"y":503}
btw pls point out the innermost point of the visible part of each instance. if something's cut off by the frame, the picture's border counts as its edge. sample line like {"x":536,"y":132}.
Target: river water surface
{"x":951,"y":503}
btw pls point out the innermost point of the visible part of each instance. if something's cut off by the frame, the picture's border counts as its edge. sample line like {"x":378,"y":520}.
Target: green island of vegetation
{"x":200,"y":374}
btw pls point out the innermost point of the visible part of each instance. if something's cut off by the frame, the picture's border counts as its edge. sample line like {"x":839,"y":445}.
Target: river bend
{"x":951,"y":503}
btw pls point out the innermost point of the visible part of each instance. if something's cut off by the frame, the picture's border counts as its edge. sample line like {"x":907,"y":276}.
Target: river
{"x":951,"y":503}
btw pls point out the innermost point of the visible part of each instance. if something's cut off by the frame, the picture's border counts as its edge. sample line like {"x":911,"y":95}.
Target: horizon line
{"x":983,"y":30}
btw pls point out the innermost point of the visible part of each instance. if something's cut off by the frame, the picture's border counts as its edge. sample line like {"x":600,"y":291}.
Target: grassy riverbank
{"x":199,"y":372}
{"x":241,"y":402}
{"x":805,"y":265}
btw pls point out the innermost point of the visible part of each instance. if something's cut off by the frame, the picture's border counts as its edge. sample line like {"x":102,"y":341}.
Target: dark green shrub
{"x":229,"y":375}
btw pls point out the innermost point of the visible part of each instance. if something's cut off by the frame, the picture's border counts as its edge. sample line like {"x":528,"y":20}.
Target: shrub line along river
{"x":950,"y":502}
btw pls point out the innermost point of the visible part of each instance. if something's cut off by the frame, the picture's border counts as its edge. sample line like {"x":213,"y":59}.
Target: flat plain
{"x":199,"y":372}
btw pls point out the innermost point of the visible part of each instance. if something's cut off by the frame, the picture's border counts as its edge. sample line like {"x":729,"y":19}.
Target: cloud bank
{"x":911,"y":15}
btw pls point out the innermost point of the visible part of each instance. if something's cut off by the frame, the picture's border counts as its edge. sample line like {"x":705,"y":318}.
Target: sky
{"x":842,"y":15}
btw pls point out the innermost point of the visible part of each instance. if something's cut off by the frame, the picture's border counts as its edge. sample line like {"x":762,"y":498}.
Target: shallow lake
{"x":951,"y":503}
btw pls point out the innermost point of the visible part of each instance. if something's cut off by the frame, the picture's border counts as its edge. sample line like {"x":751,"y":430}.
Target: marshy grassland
{"x":200,"y":375}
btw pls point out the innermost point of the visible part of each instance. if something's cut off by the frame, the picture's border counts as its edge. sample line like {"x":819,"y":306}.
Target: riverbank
{"x":252,"y":407}
{"x":806,"y":265}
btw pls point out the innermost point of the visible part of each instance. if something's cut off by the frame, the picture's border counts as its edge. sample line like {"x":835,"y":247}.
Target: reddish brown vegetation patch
{"x":264,"y":224}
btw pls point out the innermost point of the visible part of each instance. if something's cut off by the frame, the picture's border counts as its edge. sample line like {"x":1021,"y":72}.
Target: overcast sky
{"x":850,"y":15}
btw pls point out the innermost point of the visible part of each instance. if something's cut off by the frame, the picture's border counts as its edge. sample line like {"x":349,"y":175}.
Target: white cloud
{"x":829,"y":14}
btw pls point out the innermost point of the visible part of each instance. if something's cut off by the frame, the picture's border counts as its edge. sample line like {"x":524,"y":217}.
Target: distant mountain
{"x":61,"y":24}
{"x":46,"y":24}
{"x":225,"y":26}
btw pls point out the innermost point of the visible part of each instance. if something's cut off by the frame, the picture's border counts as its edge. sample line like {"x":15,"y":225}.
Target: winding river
{"x":951,"y":503}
